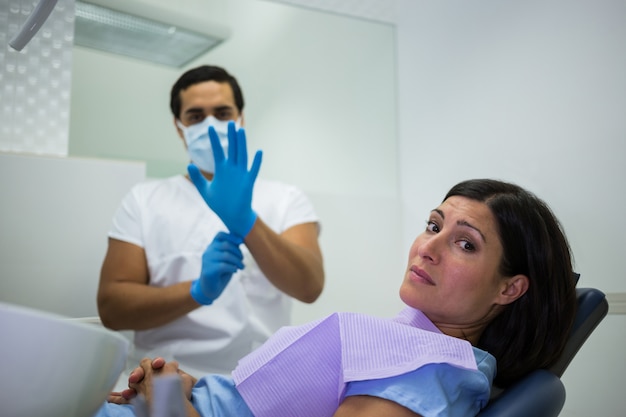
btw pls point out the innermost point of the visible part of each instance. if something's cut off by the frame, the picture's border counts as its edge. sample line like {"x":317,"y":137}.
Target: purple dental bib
{"x":303,"y":370}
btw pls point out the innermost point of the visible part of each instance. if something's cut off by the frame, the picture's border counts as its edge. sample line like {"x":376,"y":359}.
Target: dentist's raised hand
{"x":229,"y":193}
{"x":221,"y":259}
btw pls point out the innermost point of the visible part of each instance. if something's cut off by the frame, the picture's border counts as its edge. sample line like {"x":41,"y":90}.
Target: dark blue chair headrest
{"x":541,"y":393}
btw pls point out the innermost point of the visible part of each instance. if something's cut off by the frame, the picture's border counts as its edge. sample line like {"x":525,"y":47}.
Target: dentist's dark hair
{"x":531,"y":332}
{"x":201,"y":74}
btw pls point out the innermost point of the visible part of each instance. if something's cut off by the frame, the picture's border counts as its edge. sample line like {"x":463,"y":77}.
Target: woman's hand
{"x":140,"y":380}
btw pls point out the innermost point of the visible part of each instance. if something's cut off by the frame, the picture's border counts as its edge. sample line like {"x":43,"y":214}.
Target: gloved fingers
{"x":221,"y":258}
{"x":230,"y":256}
{"x":256,"y":165}
{"x":201,"y":183}
{"x":224,"y":280}
{"x":242,"y":150}
{"x":236,"y":261}
{"x":227,"y":269}
{"x":232,"y":143}
{"x":213,"y":287}
{"x":224,"y":248}
{"x":228,"y":237}
{"x":218,"y":151}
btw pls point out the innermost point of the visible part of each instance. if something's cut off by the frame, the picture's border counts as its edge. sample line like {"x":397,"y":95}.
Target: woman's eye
{"x":466,"y":245}
{"x":431,"y":226}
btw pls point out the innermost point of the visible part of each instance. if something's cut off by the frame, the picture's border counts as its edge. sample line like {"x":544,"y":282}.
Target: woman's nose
{"x":430,"y":248}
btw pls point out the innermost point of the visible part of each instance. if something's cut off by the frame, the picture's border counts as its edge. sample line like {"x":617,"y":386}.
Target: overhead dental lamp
{"x":32,"y":25}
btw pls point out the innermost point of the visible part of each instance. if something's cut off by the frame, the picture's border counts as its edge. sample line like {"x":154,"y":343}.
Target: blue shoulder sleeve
{"x":436,"y":390}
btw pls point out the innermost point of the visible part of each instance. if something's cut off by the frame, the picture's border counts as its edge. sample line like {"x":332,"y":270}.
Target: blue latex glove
{"x":221,"y":259}
{"x":229,"y":194}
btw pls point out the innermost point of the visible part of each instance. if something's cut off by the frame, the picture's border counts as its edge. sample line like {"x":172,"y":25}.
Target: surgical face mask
{"x":198,"y":143}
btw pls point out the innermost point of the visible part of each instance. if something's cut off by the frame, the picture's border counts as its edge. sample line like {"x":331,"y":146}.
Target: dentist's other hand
{"x":221,"y":259}
{"x":229,"y":194}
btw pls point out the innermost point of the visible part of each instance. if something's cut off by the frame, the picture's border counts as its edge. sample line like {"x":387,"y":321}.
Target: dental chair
{"x":541,"y":393}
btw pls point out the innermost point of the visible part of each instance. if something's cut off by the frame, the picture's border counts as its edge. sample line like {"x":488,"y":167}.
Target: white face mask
{"x":198,"y":143}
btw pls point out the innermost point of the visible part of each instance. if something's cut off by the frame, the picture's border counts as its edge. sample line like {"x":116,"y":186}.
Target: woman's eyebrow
{"x":462,"y":223}
{"x":466,"y":224}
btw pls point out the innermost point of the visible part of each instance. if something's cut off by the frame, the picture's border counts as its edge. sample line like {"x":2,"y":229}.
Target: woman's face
{"x":453,"y":275}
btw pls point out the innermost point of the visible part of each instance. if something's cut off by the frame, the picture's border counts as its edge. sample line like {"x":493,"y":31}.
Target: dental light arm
{"x":32,"y":25}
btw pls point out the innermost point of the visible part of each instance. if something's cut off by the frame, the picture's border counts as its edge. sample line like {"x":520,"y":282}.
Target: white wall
{"x":532,"y":92}
{"x":56,"y":212}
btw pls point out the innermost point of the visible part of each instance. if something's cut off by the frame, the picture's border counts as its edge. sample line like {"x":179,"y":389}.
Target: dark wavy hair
{"x":531,"y":332}
{"x":201,"y":74}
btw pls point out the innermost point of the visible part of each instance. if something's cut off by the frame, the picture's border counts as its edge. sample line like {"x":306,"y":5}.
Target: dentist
{"x":204,"y":267}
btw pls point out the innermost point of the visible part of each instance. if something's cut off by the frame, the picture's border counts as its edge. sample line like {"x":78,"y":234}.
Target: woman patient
{"x":488,"y":281}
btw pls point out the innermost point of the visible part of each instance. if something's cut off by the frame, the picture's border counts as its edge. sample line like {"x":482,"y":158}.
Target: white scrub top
{"x":169,"y":219}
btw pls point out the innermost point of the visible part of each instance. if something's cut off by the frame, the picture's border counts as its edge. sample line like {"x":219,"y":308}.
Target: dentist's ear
{"x":179,"y":130}
{"x":514,"y":287}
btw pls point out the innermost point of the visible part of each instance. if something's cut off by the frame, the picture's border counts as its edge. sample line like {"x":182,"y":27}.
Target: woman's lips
{"x":419,"y":275}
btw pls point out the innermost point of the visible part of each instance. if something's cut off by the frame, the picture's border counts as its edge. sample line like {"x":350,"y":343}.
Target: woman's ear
{"x":514,"y":288}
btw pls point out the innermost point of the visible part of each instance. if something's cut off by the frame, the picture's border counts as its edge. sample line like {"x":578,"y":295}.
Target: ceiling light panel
{"x":139,"y":37}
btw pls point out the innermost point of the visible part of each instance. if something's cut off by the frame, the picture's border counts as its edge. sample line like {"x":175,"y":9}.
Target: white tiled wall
{"x":35,"y":82}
